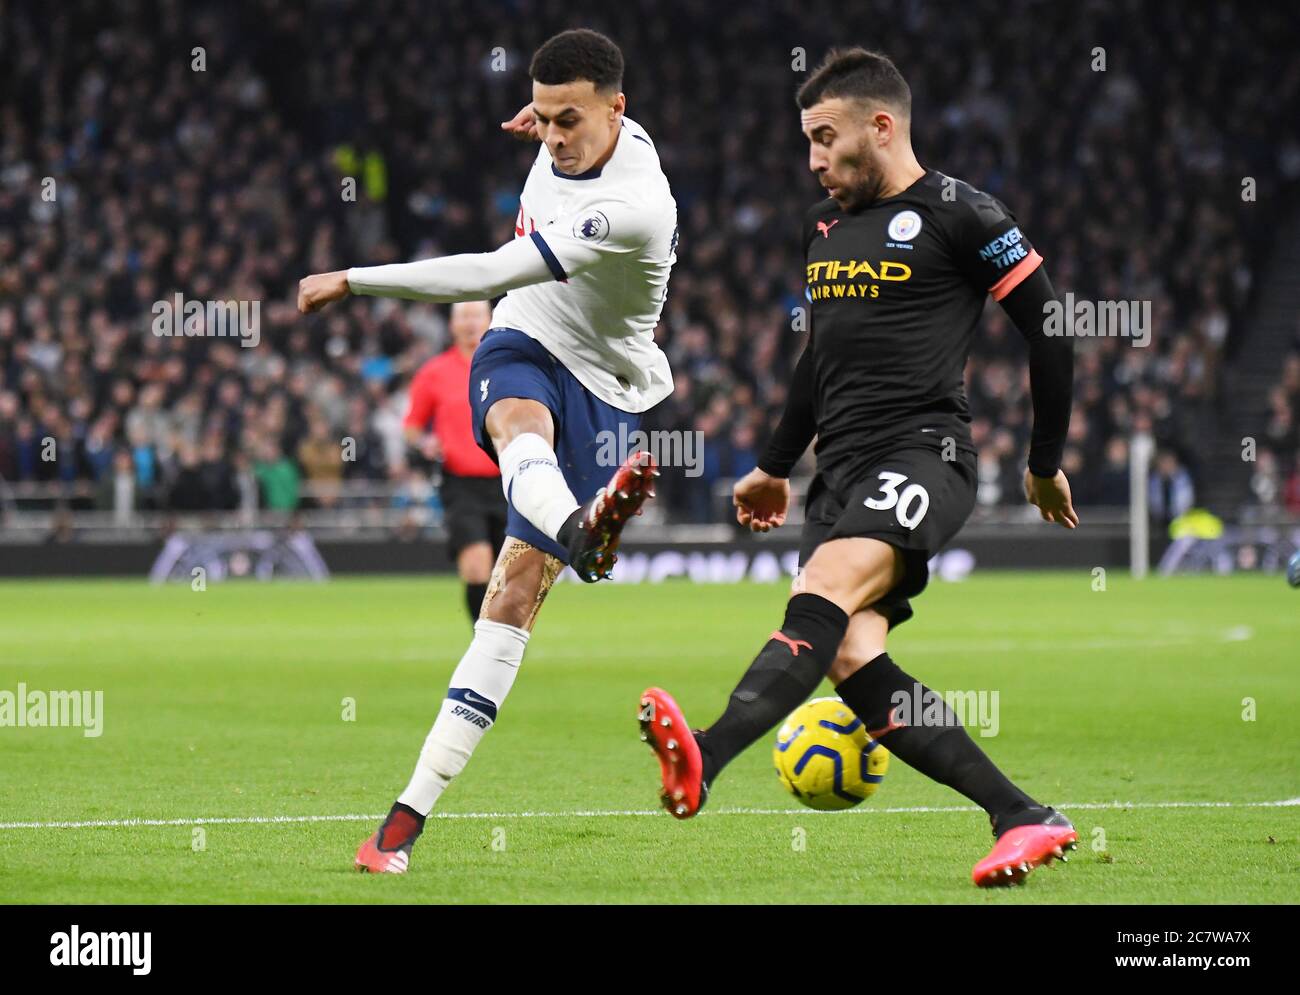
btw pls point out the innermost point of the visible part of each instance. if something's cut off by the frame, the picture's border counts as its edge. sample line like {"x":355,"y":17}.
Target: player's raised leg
{"x":550,"y":435}
{"x":519,"y":584}
{"x":522,"y":430}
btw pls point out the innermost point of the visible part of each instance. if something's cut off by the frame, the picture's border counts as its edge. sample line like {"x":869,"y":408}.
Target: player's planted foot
{"x":388,"y":851}
{"x":1026,"y":839}
{"x":592,"y":532}
{"x":681,"y":766}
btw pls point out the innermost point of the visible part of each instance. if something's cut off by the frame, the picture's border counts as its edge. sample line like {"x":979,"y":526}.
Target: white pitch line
{"x":257,"y":820}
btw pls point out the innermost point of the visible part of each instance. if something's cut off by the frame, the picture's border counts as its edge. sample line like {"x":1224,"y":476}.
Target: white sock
{"x":533,"y":483}
{"x":479,"y":685}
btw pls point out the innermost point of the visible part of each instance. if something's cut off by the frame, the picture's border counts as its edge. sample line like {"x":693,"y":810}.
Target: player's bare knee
{"x":843,"y":666}
{"x":511,"y":417}
{"x":830,"y":581}
{"x":852,"y":657}
{"x":863,"y":642}
{"x":843,"y":586}
{"x":853,"y":572}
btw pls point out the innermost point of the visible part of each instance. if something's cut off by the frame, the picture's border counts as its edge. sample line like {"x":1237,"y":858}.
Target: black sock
{"x":568,"y":532}
{"x":474,"y":594}
{"x":929,"y":739}
{"x":785,"y":672}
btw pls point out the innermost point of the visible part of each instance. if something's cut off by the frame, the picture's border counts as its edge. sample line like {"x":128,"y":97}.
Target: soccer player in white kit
{"x":570,"y":356}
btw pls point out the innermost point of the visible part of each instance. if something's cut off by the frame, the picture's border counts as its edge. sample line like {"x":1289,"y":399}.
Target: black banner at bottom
{"x":136,"y":944}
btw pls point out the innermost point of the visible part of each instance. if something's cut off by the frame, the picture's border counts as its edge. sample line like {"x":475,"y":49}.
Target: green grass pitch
{"x":229,"y":704}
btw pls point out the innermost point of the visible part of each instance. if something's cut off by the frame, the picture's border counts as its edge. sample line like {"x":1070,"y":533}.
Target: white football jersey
{"x":609,"y":238}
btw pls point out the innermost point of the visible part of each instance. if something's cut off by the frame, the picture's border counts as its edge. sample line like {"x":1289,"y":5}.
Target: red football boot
{"x":388,"y":851}
{"x":1022,"y":848}
{"x":592,"y":532}
{"x":664,"y":727}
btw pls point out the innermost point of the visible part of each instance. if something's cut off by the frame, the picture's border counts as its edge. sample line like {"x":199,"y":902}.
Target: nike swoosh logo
{"x":472,"y":699}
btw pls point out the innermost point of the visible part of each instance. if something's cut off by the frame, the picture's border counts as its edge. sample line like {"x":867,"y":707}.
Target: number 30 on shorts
{"x":910,"y":504}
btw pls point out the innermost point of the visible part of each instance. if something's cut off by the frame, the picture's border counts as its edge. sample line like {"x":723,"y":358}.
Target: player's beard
{"x":869,"y":178}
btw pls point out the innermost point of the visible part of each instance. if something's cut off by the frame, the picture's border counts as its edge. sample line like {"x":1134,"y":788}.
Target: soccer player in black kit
{"x":899,"y":262}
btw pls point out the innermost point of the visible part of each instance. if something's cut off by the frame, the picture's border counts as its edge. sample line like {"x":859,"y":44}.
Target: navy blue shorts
{"x":590,"y":435}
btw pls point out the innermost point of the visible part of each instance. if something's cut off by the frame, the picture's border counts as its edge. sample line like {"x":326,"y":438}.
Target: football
{"x":825,"y":758}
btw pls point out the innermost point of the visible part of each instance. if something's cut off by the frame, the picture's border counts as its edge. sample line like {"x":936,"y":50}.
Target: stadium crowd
{"x":222,"y":151}
{"x":1275,"y":482}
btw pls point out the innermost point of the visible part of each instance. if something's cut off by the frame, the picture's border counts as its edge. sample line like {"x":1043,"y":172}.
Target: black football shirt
{"x":896,"y":291}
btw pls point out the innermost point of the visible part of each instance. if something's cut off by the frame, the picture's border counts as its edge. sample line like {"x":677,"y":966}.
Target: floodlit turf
{"x":229,"y":703}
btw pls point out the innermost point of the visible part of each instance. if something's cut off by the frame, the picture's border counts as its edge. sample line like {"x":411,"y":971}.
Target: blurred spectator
{"x":1171,"y":490}
{"x":1291,"y":496}
{"x":1266,"y":480}
{"x":187,"y":490}
{"x":278,"y":477}
{"x":117,"y":491}
{"x":1113,"y":480}
{"x":321,"y":457}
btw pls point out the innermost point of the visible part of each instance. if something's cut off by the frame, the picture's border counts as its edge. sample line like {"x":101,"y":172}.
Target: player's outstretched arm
{"x":471,"y":276}
{"x":762,"y":496}
{"x":1051,"y":386}
{"x":560,"y":250}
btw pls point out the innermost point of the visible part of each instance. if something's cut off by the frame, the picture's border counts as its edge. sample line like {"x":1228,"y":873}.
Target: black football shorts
{"x":911,"y":498}
{"x":474,"y":510}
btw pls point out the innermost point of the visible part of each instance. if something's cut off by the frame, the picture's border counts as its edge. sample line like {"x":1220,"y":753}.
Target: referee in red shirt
{"x":438,"y":424}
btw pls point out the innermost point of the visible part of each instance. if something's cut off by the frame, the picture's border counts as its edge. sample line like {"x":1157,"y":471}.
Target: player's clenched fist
{"x":522,"y":126}
{"x":761,"y":500}
{"x":319,"y":289}
{"x":1051,"y":496}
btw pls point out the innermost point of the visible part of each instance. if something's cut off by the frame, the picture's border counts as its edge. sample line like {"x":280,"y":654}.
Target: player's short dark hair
{"x":579,"y":54}
{"x":855,"y":73}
